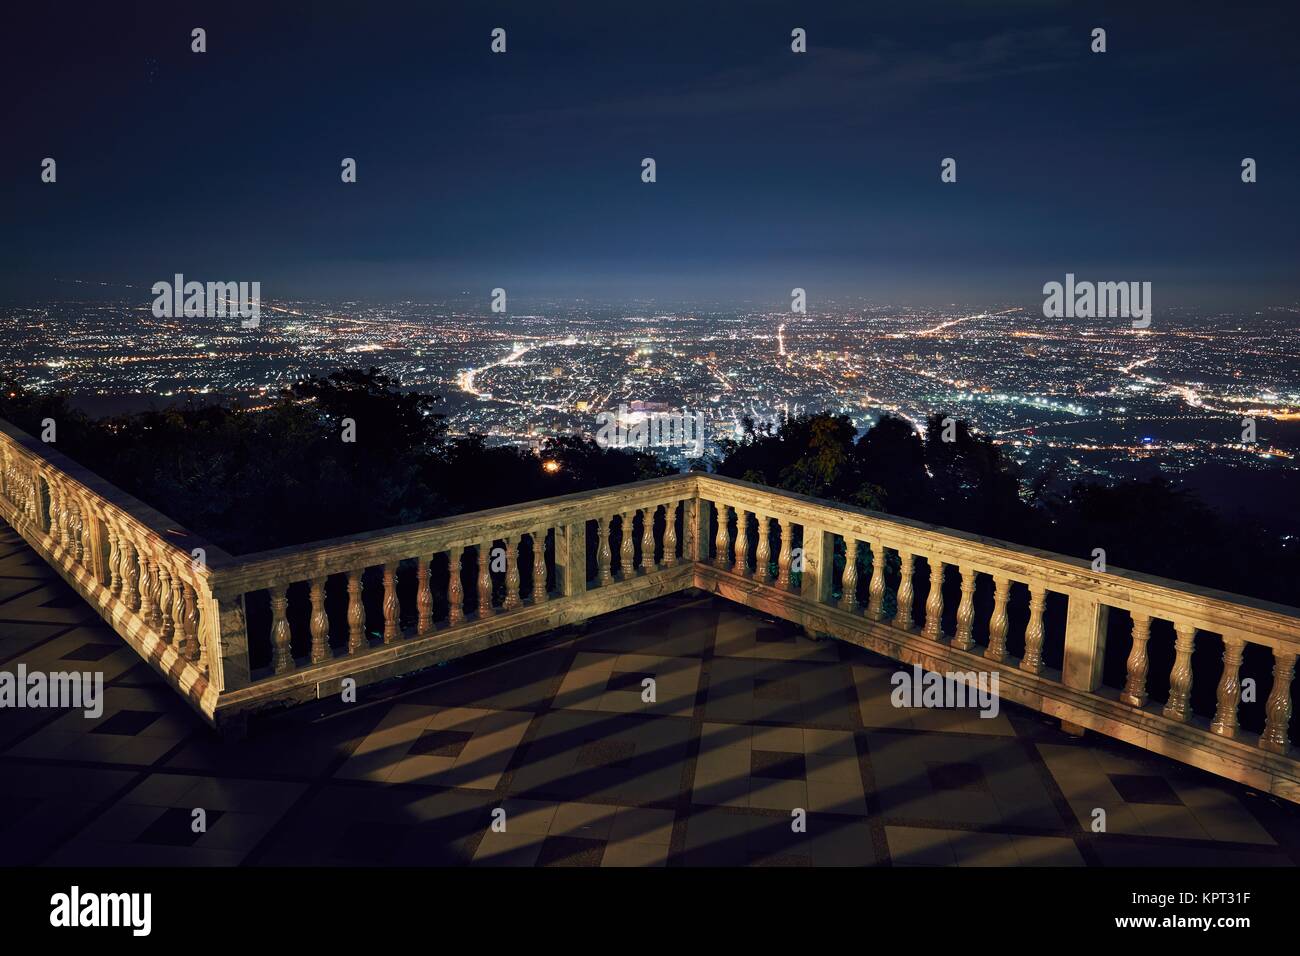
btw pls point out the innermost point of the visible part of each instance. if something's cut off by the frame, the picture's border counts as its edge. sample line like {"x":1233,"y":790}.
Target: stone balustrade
{"x":147,"y":577}
{"x":240,"y":634}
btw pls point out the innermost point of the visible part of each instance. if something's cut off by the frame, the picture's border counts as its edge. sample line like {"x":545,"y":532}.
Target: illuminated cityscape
{"x":1094,"y":397}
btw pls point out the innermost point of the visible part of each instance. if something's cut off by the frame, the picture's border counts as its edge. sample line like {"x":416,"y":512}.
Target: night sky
{"x":775,"y":170}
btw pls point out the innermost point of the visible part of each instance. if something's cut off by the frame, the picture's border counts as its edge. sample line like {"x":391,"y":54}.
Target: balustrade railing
{"x":149,"y":579}
{"x":235,"y":634}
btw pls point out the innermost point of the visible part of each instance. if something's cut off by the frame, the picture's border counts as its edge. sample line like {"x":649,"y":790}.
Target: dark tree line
{"x":972,"y":485}
{"x":250,"y":480}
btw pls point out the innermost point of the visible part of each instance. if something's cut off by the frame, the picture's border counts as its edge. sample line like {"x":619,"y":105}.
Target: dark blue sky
{"x":775,"y":170}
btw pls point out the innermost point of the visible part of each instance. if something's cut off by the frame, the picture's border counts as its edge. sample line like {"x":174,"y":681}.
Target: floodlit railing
{"x":238,"y":634}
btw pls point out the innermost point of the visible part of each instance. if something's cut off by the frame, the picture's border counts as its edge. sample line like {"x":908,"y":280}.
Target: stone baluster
{"x":455,"y":590}
{"x":282,"y":658}
{"x":750,"y":540}
{"x":964,"y":639}
{"x":539,"y":566}
{"x":155,"y":592}
{"x":903,"y":619}
{"x":512,"y":599}
{"x":65,"y":519}
{"x":485,"y":579}
{"x":876,"y":587}
{"x":722,"y":542}
{"x":626,"y":546}
{"x":130,"y":573}
{"x":58,"y":516}
{"x":849,"y":583}
{"x":177,"y":612}
{"x":167,"y":627}
{"x":392,"y":610}
{"x":423,"y":598}
{"x":147,"y":586}
{"x":320,"y":623}
{"x":77,"y":544}
{"x":670,"y":534}
{"x":603,"y":553}
{"x":1135,"y":685}
{"x":1228,"y":691}
{"x":763,"y":550}
{"x":195,"y":649}
{"x":1180,"y":677}
{"x":1033,"y":659}
{"x":787,"y":551}
{"x":114,"y":563}
{"x":997,"y":649}
{"x":648,"y":562}
{"x":934,"y":601}
{"x":1278,"y":709}
{"x":357,"y":641}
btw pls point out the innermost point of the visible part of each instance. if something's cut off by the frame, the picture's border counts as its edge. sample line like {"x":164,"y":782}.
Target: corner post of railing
{"x":1085,"y":648}
{"x":696,"y":526}
{"x":571,"y":558}
{"x":226,"y":637}
{"x":818,"y":564}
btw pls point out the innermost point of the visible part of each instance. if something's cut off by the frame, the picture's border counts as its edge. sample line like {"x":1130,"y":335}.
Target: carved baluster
{"x":964,"y":640}
{"x":485,"y":579}
{"x":176,"y":612}
{"x":934,"y":601}
{"x":148,"y":594}
{"x":903,"y":619}
{"x":670,"y":534}
{"x":83,"y":532}
{"x":130,"y":574}
{"x":391,"y":608}
{"x":320,"y":623}
{"x":1278,"y":708}
{"x":744,"y":540}
{"x":423,"y":599}
{"x":539,"y":566}
{"x":763,"y":551}
{"x":876,"y":587}
{"x":1135,"y":685}
{"x":65,"y":519}
{"x":627,"y":546}
{"x":77,"y":544}
{"x":603,"y":554}
{"x":357,"y":641}
{"x":167,"y":627}
{"x":58,"y":516}
{"x":283,"y":657}
{"x":784,"y":557}
{"x":155,"y":592}
{"x":648,"y":562}
{"x":114,"y":563}
{"x":1033,"y":659}
{"x":195,"y":649}
{"x":997,"y":649}
{"x":1180,"y":678}
{"x":512,"y":599}
{"x":849,"y":586}
{"x":455,"y":590}
{"x":722,"y":542}
{"x":1229,"y":690}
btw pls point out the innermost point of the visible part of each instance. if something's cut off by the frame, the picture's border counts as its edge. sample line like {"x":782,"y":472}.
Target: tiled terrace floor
{"x":750,"y":721}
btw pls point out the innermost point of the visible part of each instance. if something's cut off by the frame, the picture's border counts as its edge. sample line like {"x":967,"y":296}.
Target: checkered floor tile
{"x":683,"y":732}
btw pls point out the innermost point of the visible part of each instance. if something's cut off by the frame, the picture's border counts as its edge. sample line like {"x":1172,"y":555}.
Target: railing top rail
{"x":365,"y":549}
{"x":1208,"y":608}
{"x":156,"y":526}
